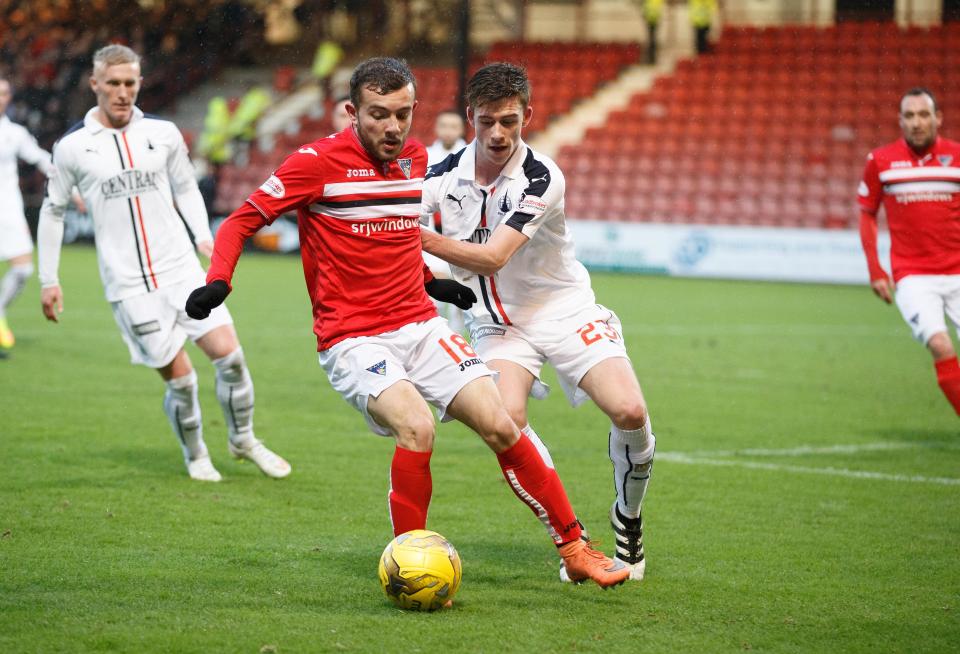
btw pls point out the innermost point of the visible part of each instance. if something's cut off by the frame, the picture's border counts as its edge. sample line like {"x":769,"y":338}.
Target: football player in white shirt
{"x":134,"y":174}
{"x":15,"y":243}
{"x":501,"y":207}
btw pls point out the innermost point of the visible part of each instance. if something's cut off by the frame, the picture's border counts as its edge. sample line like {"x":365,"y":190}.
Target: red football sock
{"x":540,"y":488}
{"x":410,"y":490}
{"x":948,"y":376}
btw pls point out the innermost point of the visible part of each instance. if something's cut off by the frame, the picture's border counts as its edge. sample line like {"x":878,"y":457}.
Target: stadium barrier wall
{"x":752,"y":253}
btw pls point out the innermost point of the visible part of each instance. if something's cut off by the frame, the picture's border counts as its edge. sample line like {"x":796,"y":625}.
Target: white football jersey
{"x":129,"y":179}
{"x":543,"y":280}
{"x":17,"y":143}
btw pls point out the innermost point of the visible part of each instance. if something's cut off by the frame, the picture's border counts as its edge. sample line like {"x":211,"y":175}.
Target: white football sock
{"x":13,"y":283}
{"x":235,"y":393}
{"x":182,"y":407}
{"x":539,"y":444}
{"x":631,"y":452}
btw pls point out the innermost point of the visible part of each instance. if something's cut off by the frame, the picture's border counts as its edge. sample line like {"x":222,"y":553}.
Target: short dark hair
{"x":381,"y":75}
{"x":497,"y":81}
{"x":919,"y":90}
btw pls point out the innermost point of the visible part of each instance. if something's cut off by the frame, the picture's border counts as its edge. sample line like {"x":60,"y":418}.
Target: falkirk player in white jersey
{"x":501,"y":207}
{"x":15,"y":244}
{"x":384,"y":349}
{"x":134,"y":174}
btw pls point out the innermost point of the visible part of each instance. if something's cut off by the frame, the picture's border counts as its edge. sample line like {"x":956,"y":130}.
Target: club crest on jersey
{"x":945,"y":159}
{"x":406,"y":165}
{"x":273,"y":187}
{"x":379,"y":368}
{"x":505,"y":205}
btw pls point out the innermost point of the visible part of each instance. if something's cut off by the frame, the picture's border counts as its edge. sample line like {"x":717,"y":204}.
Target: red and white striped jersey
{"x":543,"y":280}
{"x":359,"y":234}
{"x":921,"y":197}
{"x":129,"y":179}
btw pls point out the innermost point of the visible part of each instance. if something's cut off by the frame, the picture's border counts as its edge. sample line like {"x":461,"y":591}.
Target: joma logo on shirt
{"x":128,"y":183}
{"x":481,"y":236}
{"x":361,"y":172}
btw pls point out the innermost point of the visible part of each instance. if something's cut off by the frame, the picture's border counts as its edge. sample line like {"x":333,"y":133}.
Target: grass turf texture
{"x":108,"y":546}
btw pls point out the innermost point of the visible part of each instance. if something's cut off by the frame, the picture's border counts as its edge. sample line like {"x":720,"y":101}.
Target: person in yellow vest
{"x":652,"y":12}
{"x":701,"y":15}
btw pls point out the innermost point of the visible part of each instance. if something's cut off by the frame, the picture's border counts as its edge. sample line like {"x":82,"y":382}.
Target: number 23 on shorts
{"x":596,"y":331}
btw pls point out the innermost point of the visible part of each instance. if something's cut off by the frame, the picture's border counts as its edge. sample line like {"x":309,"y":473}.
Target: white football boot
{"x":270,"y":463}
{"x":202,"y":469}
{"x":629,"y":536}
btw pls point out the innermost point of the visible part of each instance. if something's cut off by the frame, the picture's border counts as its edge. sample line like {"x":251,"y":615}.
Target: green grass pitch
{"x":806,"y":497}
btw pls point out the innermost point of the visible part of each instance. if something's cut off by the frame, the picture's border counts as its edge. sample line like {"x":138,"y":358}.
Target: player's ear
{"x":351,"y":110}
{"x":527,"y":115}
{"x":470,"y":115}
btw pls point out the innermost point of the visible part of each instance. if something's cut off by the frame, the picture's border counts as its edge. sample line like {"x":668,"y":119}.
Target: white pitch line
{"x":805,"y":450}
{"x":677,"y":457}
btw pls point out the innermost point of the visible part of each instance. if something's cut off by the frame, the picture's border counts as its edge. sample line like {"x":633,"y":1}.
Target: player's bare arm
{"x":484,"y":259}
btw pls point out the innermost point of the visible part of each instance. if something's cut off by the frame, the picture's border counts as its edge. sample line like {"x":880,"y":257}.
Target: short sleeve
{"x":870,"y":191}
{"x":543,"y":195}
{"x":296,"y":183}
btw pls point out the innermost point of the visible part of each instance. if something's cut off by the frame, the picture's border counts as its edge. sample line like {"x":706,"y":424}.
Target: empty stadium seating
{"x":561,"y":74}
{"x":770,"y":129}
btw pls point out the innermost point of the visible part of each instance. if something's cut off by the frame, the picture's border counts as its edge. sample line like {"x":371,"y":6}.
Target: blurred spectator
{"x":701,"y":15}
{"x":652,"y":12}
{"x":338,"y":115}
{"x":449,"y":129}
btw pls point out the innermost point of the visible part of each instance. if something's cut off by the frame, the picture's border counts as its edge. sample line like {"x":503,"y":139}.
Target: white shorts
{"x":155,"y":325}
{"x":571,"y":345}
{"x":14,"y":234}
{"x":923,"y":299}
{"x":435,"y":359}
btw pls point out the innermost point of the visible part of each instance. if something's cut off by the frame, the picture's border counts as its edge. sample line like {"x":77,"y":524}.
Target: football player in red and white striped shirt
{"x":384,"y":348}
{"x":917,"y":180}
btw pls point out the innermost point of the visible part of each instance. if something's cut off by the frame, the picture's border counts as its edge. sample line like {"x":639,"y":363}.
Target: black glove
{"x":206,"y":298}
{"x":447,"y":290}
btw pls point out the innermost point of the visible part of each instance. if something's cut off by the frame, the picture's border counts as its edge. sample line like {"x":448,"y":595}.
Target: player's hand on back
{"x":51,"y":299}
{"x":206,"y":298}
{"x":448,"y":290}
{"x":883,"y":288}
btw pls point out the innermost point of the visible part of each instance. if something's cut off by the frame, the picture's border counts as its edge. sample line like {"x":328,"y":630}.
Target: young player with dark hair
{"x":383,"y":346}
{"x":917,"y":180}
{"x":501,"y":207}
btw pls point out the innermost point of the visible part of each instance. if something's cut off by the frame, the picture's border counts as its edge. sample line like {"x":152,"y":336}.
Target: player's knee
{"x":417,"y":433}
{"x":518,"y":415}
{"x":500,"y":432}
{"x":629,"y":413}
{"x":231,"y":367}
{"x":941,"y":347}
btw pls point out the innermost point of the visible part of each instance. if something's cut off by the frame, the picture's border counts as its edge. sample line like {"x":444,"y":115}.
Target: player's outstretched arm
{"x":233,"y":233}
{"x":205,"y":299}
{"x":880,"y":281}
{"x":484,"y":259}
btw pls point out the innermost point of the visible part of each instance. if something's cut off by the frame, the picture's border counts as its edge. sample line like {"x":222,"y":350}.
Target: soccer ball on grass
{"x":420,"y":570}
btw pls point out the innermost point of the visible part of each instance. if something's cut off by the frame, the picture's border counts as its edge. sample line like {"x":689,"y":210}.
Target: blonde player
{"x":130,"y":169}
